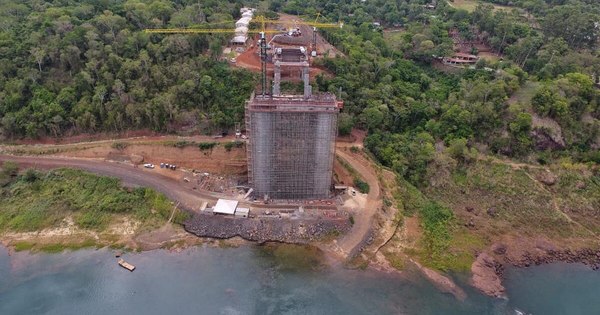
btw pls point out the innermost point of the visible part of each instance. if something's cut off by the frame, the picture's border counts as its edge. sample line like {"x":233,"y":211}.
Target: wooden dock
{"x":126,"y":265}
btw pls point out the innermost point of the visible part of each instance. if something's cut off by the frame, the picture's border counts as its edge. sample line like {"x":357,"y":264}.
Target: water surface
{"x":555,"y":289}
{"x":251,"y":280}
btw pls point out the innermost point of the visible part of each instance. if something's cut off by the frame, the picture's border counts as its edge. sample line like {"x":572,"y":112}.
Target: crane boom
{"x":262,"y":40}
{"x":200,"y":31}
{"x":260,"y":19}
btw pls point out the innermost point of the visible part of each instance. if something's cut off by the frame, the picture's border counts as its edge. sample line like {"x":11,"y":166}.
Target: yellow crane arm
{"x":260,"y":19}
{"x":263,"y":20}
{"x":200,"y":31}
{"x":321,"y":25}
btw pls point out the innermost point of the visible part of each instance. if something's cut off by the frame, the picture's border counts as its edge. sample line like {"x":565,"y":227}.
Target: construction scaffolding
{"x":292,"y":145}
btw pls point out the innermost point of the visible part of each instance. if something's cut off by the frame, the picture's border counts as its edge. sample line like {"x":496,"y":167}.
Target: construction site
{"x":280,"y":176}
{"x":291,"y":144}
{"x":291,"y":135}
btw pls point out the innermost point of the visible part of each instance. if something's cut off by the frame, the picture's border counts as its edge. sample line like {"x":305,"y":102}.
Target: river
{"x":264,"y":280}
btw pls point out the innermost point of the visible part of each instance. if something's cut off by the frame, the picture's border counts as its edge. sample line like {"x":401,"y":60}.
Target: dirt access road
{"x":363,"y":220}
{"x":192,"y":199}
{"x":175,"y":190}
{"x":129,"y":175}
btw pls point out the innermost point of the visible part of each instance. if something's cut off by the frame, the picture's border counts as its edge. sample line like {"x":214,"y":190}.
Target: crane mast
{"x":263,"y":63}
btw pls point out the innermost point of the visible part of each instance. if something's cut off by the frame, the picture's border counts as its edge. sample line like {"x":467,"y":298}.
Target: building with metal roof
{"x":225,"y":206}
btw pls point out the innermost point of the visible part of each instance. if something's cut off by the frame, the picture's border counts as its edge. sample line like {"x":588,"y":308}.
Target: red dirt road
{"x":364,"y":218}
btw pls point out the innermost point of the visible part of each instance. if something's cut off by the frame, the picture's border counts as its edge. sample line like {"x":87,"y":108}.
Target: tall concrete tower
{"x":291,"y":139}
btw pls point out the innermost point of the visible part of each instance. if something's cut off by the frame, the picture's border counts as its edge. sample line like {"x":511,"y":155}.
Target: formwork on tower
{"x":291,"y":145}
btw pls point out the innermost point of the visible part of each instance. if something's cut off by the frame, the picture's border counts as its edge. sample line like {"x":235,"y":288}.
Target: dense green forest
{"x":391,"y":89}
{"x":87,"y":66}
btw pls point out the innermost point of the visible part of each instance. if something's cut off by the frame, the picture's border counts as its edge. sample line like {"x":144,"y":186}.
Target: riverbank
{"x":123,"y":235}
{"x":489,"y":267}
{"x":490,"y":203}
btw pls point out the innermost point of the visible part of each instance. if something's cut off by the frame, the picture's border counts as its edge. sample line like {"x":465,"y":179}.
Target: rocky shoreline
{"x":488,"y":269}
{"x":586,"y":256}
{"x":261,"y":230}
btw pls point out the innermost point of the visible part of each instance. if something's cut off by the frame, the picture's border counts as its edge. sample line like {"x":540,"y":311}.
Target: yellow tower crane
{"x":262,"y":41}
{"x":259,"y":19}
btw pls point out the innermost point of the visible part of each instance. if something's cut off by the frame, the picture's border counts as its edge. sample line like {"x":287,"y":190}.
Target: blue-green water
{"x":245,"y":280}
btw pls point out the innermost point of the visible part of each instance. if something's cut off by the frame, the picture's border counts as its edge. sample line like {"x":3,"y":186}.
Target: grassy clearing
{"x":36,"y":200}
{"x":436,"y":221}
{"x":511,"y":199}
{"x":489,"y":56}
{"x":500,"y":199}
{"x":32,"y":150}
{"x":470,"y":5}
{"x":484,"y":200}
{"x":578,"y":193}
{"x":525,"y":93}
{"x":396,"y":40}
{"x":442,"y":244}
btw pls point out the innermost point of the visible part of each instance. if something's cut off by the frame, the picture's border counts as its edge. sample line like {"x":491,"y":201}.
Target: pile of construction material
{"x":298,"y":35}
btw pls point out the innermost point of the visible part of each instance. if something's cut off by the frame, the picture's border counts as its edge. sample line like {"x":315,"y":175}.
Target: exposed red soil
{"x":341,"y":174}
{"x":85,"y":137}
{"x":215,"y":161}
{"x":250,"y":60}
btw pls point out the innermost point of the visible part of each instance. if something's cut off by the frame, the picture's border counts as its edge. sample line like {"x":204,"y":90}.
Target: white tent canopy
{"x":242,"y":30}
{"x":224,"y":206}
{"x":245,"y":21}
{"x":239,"y":39}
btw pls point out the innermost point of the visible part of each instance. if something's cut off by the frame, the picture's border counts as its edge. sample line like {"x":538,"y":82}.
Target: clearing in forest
{"x":470,"y":5}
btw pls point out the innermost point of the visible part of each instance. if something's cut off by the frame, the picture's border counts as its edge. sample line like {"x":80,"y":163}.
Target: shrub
{"x":30,"y":176}
{"x":182,"y":144}
{"x":207,"y":145}
{"x":361,"y":185}
{"x":119,"y":145}
{"x":233,"y":144}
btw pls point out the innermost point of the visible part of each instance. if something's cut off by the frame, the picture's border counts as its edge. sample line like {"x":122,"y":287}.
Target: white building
{"x":230,"y":207}
{"x":242,"y":26}
{"x":224,"y":206}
